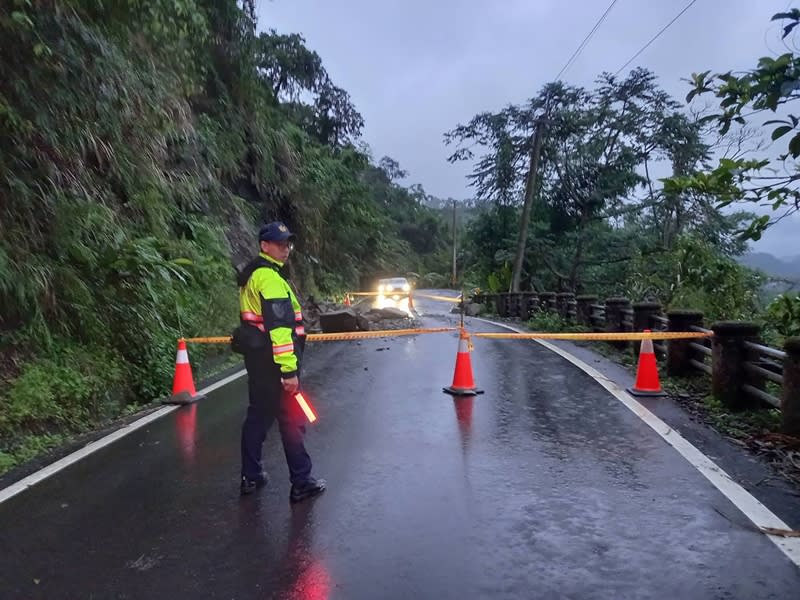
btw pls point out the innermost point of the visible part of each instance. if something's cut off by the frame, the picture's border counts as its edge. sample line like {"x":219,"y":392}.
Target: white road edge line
{"x":63,"y":463}
{"x":754,"y":510}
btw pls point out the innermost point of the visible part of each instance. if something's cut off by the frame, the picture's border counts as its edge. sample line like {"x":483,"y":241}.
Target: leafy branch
{"x":771,"y":85}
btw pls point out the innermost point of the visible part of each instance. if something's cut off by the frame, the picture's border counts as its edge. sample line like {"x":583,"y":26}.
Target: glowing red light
{"x":309,"y":412}
{"x":314,"y":583}
{"x":186,"y":423}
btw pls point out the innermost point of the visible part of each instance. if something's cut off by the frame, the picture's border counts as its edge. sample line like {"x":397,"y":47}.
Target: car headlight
{"x":406,"y":288}
{"x":381,"y":288}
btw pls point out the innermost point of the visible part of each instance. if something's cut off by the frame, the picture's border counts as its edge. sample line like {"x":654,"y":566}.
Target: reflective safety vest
{"x":268,"y":303}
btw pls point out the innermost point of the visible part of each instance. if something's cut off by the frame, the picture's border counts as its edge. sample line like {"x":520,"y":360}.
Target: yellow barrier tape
{"x":210,"y":340}
{"x":611,"y":337}
{"x":362,"y":293}
{"x":359,"y":335}
{"x":332,"y":337}
{"x":441,"y":298}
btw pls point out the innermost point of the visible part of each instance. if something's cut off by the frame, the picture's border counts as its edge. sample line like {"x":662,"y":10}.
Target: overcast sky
{"x":417,"y":68}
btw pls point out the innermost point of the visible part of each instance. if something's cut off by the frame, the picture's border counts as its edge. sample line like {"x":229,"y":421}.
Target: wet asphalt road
{"x":544,"y":487}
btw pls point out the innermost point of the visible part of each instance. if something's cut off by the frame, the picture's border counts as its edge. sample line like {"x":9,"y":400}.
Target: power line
{"x":655,"y":37}
{"x":586,"y":40}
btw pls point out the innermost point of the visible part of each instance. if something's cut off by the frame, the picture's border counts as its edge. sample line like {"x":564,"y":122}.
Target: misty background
{"x":416,"y":69}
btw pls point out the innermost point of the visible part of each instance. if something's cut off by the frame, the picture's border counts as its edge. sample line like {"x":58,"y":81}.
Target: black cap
{"x":275,"y":232}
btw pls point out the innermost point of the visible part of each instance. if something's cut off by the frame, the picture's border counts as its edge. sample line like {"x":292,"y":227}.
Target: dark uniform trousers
{"x":268,"y":402}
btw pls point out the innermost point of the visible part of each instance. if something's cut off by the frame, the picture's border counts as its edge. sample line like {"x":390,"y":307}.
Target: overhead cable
{"x":655,"y":37}
{"x":586,"y":40}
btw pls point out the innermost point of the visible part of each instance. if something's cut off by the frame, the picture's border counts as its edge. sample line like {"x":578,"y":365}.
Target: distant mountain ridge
{"x":788,"y":268}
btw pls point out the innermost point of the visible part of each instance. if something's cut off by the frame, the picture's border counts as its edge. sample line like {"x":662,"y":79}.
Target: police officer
{"x":271,"y":337}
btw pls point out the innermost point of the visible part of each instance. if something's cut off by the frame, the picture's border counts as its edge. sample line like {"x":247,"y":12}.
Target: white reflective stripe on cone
{"x":647,"y":347}
{"x":463,"y":345}
{"x":183,"y":357}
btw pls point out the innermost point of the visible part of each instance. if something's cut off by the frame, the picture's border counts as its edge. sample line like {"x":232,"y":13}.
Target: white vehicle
{"x":395,"y":287}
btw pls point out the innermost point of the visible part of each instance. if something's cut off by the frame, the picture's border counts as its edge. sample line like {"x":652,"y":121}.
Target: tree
{"x":392,"y":168}
{"x":597,"y":143}
{"x":694,"y":273}
{"x":337,"y":120}
{"x":288,"y":66}
{"x":767,"y":88}
{"x":295,"y":74}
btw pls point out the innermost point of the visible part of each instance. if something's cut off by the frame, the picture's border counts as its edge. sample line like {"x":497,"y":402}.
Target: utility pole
{"x":530,"y":188}
{"x":453,"y":278}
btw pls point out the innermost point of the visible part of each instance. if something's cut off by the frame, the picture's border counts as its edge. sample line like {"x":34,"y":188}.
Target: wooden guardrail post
{"x":679,"y":352}
{"x":502,"y":305}
{"x":488,"y":300}
{"x":562,"y":303}
{"x":584,"y":309}
{"x":519,"y":304}
{"x":615,"y":318}
{"x":511,"y":304}
{"x":790,"y":392}
{"x":728,"y":356}
{"x":522,"y":305}
{"x":547,"y":301}
{"x":525,"y":305}
{"x":643,"y":313}
{"x":532,"y":302}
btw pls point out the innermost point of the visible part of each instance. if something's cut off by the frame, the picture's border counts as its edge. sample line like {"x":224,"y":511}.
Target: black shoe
{"x":309,"y":489}
{"x":248,"y":486}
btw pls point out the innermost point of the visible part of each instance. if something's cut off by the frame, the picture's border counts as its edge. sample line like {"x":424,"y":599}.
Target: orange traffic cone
{"x":463,"y":381}
{"x":183,"y":391}
{"x":647,"y":383}
{"x":347,"y":299}
{"x":410,"y":301}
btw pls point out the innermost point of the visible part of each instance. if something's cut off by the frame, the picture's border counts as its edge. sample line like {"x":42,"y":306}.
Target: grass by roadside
{"x":758,"y":431}
{"x":694,"y":394}
{"x":31,"y":451}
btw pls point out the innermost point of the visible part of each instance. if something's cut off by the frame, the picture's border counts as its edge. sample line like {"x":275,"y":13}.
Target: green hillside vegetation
{"x":141,"y":144}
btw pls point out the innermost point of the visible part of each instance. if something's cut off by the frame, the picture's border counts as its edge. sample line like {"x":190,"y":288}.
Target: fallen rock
{"x":473,"y":310}
{"x":387,"y":313}
{"x":312,"y":310}
{"x":390,"y":324}
{"x":470,"y":310}
{"x":338,"y":321}
{"x":362,"y":307}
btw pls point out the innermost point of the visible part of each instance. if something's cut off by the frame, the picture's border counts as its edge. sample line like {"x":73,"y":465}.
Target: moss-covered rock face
{"x":141,"y":144}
